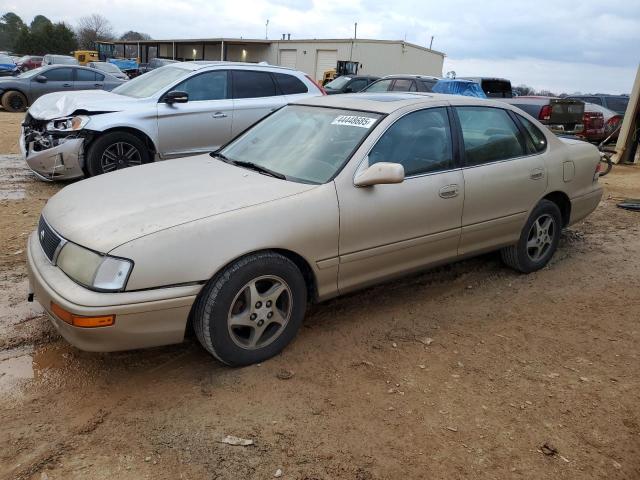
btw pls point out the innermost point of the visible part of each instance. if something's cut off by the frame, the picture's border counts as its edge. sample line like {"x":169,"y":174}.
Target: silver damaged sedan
{"x":320,"y":198}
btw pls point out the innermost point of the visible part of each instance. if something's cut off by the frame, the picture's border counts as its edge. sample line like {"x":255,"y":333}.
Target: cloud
{"x":591,"y":44}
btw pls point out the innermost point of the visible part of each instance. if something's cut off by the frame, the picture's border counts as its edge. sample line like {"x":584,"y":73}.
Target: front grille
{"x":49,"y":240}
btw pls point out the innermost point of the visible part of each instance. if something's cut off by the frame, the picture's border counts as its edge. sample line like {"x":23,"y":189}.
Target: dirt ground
{"x":462,"y":372}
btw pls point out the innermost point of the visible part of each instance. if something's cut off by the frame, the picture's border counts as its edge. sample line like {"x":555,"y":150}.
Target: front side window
{"x":419,"y":141}
{"x":206,"y":86}
{"x":308,"y":144}
{"x":379,"y":86}
{"x":357,"y":85}
{"x":59,"y":75}
{"x":252,"y":84}
{"x":539,"y":141}
{"x":290,"y":85}
{"x":489,"y":135}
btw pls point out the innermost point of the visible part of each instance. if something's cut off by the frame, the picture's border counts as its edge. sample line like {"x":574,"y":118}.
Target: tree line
{"x":43,"y":36}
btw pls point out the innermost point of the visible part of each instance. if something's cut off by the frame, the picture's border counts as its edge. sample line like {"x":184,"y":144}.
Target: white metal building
{"x":312,"y":56}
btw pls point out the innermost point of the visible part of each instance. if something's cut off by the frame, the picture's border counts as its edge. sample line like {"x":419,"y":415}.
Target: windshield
{"x":150,"y":83}
{"x":307,"y":144}
{"x":338,"y":83}
{"x":31,"y":73}
{"x":6,"y":59}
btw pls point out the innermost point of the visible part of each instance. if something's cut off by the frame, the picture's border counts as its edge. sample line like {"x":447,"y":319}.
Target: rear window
{"x":290,"y":85}
{"x":252,"y":84}
{"x":497,"y":88}
{"x":617,"y":104}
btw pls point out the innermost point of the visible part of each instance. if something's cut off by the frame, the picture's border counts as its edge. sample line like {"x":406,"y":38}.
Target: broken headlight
{"x":68,"y":124}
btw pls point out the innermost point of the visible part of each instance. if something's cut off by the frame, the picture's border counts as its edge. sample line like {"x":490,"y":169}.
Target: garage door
{"x":288,"y":58}
{"x":325,"y":60}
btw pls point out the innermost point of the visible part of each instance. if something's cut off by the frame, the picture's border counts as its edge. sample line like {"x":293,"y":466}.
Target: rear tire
{"x":605,"y":164}
{"x":115,"y":151}
{"x":14,"y":101}
{"x":252,"y":309}
{"x":538,"y":240}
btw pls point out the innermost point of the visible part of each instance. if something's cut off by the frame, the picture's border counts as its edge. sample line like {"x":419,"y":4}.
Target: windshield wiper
{"x":249,"y":165}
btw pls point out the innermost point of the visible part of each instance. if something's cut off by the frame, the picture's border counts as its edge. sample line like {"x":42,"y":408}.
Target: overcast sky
{"x":582,"y":45}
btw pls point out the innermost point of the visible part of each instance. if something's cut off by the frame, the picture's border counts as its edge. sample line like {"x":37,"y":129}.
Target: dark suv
{"x":349,"y":83}
{"x":493,"y":87}
{"x":617,"y":103}
{"x":402,"y":83}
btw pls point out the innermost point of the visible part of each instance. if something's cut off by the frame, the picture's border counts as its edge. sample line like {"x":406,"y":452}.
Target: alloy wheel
{"x":260,"y":312}
{"x":540,"y":237}
{"x":120,"y":155}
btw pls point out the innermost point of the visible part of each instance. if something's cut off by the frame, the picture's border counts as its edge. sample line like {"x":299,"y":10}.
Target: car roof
{"x":200,"y":64}
{"x":386,"y":103}
{"x":410,"y":75}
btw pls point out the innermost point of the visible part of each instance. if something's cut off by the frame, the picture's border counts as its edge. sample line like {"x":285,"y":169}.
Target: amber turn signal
{"x":81,"y":321}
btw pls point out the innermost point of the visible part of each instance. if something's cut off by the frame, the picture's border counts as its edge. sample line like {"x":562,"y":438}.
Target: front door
{"x":202,"y":124}
{"x":503,"y":179}
{"x":59,"y":79}
{"x":386,"y":230}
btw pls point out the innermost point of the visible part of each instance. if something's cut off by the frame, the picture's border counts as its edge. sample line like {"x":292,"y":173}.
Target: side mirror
{"x":41,"y":79}
{"x":379,"y":174}
{"x":176,"y":97}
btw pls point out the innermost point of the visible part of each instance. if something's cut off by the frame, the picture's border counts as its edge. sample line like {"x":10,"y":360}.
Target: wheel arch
{"x":134,"y":131}
{"x":12,"y":89}
{"x":563,"y":202}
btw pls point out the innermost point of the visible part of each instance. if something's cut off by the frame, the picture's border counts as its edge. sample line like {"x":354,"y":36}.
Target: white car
{"x":174,"y":111}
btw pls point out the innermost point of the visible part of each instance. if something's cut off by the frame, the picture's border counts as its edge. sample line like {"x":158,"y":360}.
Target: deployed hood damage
{"x":64,"y":104}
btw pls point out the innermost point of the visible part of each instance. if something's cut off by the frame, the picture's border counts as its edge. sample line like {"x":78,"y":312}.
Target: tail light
{"x":596,"y":174}
{"x":545,"y":113}
{"x":322,"y":90}
{"x":593,"y":120}
{"x":613,"y":123}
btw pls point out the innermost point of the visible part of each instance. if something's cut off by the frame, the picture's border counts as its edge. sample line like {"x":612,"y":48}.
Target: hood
{"x":106,"y":211}
{"x":63,"y":104}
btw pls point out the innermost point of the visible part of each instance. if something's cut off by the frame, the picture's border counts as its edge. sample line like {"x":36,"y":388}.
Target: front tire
{"x":538,"y":240}
{"x":115,"y":151}
{"x":13,"y":101}
{"x":252,"y":309}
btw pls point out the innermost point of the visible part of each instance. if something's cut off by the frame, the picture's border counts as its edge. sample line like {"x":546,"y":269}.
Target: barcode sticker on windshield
{"x":354,"y":121}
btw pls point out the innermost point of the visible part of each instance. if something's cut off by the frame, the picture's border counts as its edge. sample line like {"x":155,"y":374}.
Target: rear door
{"x":255,"y":95}
{"x":503,"y":178}
{"x":202,"y":124}
{"x":86,"y":79}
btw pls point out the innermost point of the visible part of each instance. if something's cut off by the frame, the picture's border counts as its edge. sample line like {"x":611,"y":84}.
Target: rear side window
{"x":206,"y":86}
{"x":617,"y":104}
{"x":357,"y":85}
{"x":59,"y":75}
{"x":290,"y":85}
{"x":403,"y":85}
{"x":85,"y":75}
{"x":489,"y":135}
{"x":539,"y":141}
{"x":251,"y":84}
{"x":419,"y":141}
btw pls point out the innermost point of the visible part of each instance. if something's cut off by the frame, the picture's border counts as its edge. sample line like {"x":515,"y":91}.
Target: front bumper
{"x":62,"y":162}
{"x":147,"y":318}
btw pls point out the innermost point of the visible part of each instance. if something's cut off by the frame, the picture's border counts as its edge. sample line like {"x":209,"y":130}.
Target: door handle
{"x":449,"y":191}
{"x":66,"y":84}
{"x":99,"y":85}
{"x":536,"y":174}
{"x":219,"y":115}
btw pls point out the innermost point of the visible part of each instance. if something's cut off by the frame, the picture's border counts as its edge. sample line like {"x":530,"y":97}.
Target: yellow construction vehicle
{"x":86,"y":56}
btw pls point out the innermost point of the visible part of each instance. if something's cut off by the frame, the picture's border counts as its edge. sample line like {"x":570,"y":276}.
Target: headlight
{"x":99,"y":272}
{"x":68,"y":124}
